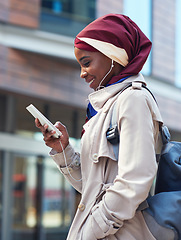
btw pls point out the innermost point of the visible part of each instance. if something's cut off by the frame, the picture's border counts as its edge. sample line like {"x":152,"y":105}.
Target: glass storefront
{"x":24,"y":196}
{"x":36,"y":201}
{"x":66,"y":17}
{"x":57,"y":198}
{"x":43,"y":201}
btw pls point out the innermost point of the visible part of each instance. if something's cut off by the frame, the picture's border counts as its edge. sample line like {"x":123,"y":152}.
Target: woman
{"x":111,"y":52}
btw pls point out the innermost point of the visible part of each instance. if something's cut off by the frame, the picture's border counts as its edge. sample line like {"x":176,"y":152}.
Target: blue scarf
{"x":90,"y":110}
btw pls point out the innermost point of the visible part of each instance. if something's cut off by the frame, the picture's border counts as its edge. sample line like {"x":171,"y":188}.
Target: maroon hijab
{"x":120,"y":31}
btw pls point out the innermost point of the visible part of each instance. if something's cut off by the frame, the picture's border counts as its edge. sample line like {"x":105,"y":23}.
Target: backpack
{"x":162,"y":211}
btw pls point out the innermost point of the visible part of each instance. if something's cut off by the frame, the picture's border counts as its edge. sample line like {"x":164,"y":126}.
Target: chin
{"x":92,"y":85}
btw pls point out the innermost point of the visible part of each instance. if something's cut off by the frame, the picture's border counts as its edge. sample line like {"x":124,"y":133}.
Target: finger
{"x":43,"y":130}
{"x":37,"y":123}
{"x":48,"y":136}
{"x":61,"y":128}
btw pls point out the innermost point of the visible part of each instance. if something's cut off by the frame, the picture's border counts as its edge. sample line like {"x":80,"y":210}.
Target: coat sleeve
{"x":136,"y":165}
{"x":68,"y":163}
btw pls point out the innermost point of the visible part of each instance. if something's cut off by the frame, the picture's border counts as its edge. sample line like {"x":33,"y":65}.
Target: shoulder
{"x":138,"y":102}
{"x":134,"y":97}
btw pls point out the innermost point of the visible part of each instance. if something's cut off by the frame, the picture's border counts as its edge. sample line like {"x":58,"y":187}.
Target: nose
{"x":83,"y":73}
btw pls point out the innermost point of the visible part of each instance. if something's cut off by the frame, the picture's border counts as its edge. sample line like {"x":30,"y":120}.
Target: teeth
{"x":91,"y":81}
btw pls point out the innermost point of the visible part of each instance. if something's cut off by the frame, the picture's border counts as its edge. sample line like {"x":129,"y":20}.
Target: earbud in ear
{"x":112,"y":64}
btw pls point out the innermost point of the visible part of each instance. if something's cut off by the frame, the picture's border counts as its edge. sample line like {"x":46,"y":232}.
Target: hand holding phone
{"x":43,"y":120}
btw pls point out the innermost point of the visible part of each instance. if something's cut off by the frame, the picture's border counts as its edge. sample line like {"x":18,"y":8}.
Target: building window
{"x":66,"y":17}
{"x":177,"y":44}
{"x":140,"y":12}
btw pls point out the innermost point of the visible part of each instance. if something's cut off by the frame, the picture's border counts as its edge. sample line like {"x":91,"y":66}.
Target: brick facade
{"x":3,"y":64}
{"x":21,"y":12}
{"x":170,"y":114}
{"x":51,"y":78}
{"x":42,"y":77}
{"x":163,"y":63}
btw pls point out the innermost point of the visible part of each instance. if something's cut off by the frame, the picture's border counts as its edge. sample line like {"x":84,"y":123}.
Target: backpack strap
{"x":112,"y":133}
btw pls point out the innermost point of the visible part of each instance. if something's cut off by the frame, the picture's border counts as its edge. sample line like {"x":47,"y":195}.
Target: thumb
{"x":60,"y":126}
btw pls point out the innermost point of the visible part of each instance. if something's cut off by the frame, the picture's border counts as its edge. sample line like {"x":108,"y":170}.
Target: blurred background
{"x":37,"y":65}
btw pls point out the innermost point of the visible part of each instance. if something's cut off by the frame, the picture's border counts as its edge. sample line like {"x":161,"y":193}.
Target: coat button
{"x":95,"y":156}
{"x":69,"y":169}
{"x":77,"y":163}
{"x":81,"y":207}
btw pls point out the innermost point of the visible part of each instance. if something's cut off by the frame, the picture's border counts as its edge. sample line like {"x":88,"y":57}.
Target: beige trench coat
{"x":112,"y":191}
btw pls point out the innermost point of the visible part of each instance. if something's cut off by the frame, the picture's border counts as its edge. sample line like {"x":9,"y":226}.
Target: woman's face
{"x":94,"y":67}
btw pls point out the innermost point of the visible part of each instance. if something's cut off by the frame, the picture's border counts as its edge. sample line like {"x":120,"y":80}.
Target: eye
{"x":86,"y":64}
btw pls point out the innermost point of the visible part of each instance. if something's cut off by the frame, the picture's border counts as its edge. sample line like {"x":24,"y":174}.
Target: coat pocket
{"x":105,"y":186}
{"x":86,"y":231}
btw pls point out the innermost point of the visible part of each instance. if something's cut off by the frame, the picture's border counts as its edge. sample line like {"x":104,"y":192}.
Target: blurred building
{"x":37,"y":65}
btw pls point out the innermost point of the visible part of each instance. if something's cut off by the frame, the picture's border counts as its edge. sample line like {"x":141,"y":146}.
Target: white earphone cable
{"x":77,"y":180}
{"x":112,"y":65}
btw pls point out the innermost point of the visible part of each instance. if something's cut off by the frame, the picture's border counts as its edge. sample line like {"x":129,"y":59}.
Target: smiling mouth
{"x":91,"y":81}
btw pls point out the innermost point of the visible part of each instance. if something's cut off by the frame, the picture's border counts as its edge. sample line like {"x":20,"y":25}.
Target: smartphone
{"x":43,"y":120}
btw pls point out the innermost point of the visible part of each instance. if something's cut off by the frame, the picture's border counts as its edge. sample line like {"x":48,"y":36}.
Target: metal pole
{"x":39,"y":232}
{"x":7,"y":185}
{"x":6,"y":232}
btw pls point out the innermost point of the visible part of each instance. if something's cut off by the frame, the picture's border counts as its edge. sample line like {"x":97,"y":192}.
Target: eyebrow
{"x":82,"y":58}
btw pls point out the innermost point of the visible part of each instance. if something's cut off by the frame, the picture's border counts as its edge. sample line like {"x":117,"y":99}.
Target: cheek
{"x":99,"y":69}
{"x":103,"y":70}
{"x":94,"y":70}
{"x":99,"y":74}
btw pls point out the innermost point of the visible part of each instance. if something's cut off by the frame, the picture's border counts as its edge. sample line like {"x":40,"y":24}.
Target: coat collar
{"x":100,"y":97}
